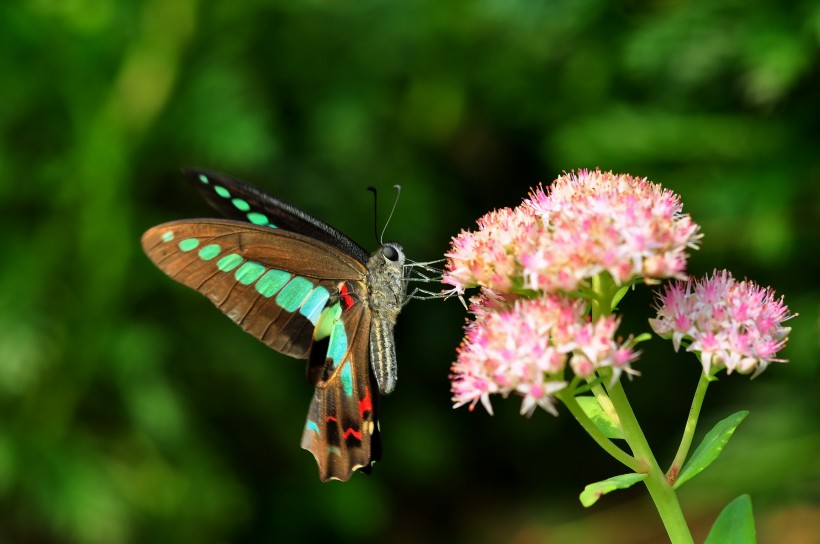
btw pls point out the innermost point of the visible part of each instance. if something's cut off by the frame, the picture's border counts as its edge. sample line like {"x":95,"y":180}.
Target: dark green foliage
{"x":132,"y":411}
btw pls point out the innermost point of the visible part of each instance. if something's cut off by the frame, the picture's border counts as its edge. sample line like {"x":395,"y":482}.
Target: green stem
{"x":599,"y":302}
{"x":642,"y":460}
{"x":589,"y":426}
{"x":689,"y":430}
{"x":604,"y":288}
{"x":664,"y":497}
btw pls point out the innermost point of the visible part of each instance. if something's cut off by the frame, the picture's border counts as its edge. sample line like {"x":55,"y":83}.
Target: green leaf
{"x":643,"y":337}
{"x":601,"y":419}
{"x":713,"y":443}
{"x":735,"y":525}
{"x":595,"y":491}
{"x":620,"y":294}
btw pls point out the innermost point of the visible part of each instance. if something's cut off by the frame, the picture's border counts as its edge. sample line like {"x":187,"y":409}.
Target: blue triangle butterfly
{"x":306,"y":290}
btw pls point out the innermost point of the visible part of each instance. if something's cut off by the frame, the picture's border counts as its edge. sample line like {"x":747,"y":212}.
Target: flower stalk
{"x":689,"y":429}
{"x":661,"y":491}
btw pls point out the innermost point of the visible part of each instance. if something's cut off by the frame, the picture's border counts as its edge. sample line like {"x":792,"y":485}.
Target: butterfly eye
{"x":390,"y":253}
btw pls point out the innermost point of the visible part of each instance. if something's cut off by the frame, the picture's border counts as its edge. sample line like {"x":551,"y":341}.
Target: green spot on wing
{"x":324,"y":324}
{"x":311,"y":426}
{"x":167,"y":236}
{"x":294,"y":293}
{"x":228,"y":262}
{"x":312,"y":307}
{"x":203,"y":178}
{"x":249,"y":272}
{"x":258,"y":218}
{"x":241,"y":205}
{"x":209,"y":252}
{"x":221,"y":191}
{"x":188,"y":244}
{"x":347,"y":380}
{"x":337,"y":345}
{"x":271,"y":282}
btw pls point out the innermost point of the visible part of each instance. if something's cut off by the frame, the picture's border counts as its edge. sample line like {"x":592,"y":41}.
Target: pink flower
{"x":730,"y":324}
{"x":499,"y":231}
{"x":584,"y":224}
{"x":524,"y":346}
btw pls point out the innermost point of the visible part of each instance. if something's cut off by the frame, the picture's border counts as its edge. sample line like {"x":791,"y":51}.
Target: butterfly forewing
{"x":273,"y":284}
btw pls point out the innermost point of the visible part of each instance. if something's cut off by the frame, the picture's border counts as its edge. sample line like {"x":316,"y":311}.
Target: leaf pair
{"x":735,"y":524}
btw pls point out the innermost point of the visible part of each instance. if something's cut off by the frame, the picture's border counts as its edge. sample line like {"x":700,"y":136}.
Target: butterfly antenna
{"x":393,"y":209}
{"x":375,"y":213}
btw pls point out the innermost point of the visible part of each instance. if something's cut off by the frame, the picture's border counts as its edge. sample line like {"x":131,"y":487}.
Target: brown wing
{"x":272,"y":283}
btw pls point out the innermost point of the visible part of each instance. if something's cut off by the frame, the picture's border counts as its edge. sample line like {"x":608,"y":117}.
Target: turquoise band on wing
{"x":337,"y":345}
{"x":292,"y":292}
{"x":188,"y":244}
{"x":273,"y":280}
{"x":209,"y":252}
{"x":228,"y":262}
{"x":324,"y":324}
{"x":314,"y":304}
{"x":347,"y":380}
{"x":240,"y":204}
{"x":249,"y":272}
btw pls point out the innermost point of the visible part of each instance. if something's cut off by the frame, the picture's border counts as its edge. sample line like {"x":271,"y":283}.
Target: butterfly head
{"x":393,"y":254}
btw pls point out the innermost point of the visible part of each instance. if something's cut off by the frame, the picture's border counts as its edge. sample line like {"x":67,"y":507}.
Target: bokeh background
{"x":132,"y":411}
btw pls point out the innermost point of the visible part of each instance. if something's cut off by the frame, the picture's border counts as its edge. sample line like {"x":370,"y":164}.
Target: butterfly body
{"x":388,"y":290}
{"x":305,"y":290}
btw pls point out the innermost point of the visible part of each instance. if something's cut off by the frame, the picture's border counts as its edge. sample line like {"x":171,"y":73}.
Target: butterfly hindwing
{"x":341,"y":429}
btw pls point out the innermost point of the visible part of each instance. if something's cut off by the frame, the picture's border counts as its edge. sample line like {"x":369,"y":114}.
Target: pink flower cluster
{"x":525,"y":346}
{"x":736,"y":325}
{"x":584,"y":224}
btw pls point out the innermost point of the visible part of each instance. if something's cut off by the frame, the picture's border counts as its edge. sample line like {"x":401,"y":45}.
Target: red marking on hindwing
{"x":355,"y":434}
{"x":350,"y":431}
{"x":346,"y":298}
{"x":366,"y":404}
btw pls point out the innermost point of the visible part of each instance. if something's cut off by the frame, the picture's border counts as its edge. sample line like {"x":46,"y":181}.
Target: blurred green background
{"x":132,"y":411}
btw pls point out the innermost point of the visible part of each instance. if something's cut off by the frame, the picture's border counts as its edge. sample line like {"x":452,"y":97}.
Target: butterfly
{"x":307,"y":291}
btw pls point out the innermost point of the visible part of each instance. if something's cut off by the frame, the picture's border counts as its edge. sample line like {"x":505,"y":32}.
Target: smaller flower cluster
{"x":586,"y":223}
{"x":736,"y":325}
{"x":525,"y":346}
